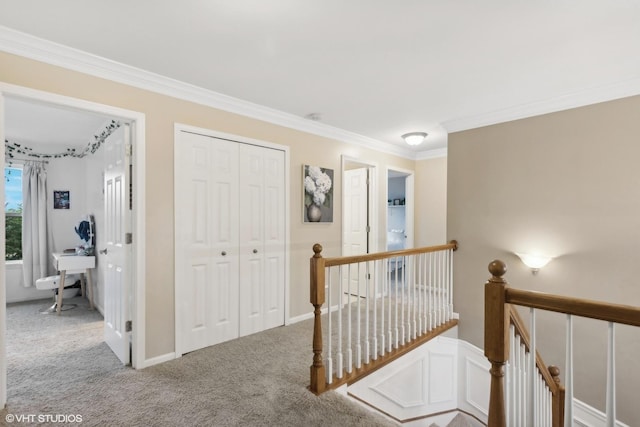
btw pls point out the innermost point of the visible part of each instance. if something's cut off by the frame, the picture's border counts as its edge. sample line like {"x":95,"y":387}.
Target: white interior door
{"x":207,"y":241}
{"x":117,"y":227}
{"x":356,"y":229}
{"x":355,"y":238}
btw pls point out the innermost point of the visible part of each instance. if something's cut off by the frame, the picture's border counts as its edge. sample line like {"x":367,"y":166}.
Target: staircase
{"x":460,"y":420}
{"x":376,"y":312}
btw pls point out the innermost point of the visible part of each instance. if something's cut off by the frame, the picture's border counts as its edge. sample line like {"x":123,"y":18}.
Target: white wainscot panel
{"x":474,"y":394}
{"x":422,"y":382}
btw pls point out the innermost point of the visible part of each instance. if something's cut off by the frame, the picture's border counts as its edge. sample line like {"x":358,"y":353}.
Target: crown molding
{"x":22,"y":44}
{"x":592,"y":95}
{"x":432,"y":154}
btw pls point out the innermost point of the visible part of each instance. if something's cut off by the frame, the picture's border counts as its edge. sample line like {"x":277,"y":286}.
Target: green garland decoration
{"x":13,"y":149}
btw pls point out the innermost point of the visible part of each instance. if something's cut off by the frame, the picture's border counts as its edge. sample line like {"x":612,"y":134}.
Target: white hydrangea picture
{"x":318,"y":194}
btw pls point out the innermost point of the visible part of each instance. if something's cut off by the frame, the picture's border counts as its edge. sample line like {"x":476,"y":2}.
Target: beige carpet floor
{"x":61,"y":366}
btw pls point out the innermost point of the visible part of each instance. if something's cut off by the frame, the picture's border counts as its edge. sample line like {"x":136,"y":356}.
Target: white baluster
{"x":437,"y":294}
{"x":416,"y":296}
{"x":367,"y":282}
{"x":611,"y":376}
{"x":329,"y":364}
{"x":532,"y":371}
{"x":509,"y":377}
{"x":358,"y":318}
{"x":376,"y":294}
{"x":395,"y":306}
{"x":383,"y":290}
{"x":339,"y":361}
{"x":450,"y":283}
{"x":425,"y":294}
{"x":440,"y":288}
{"x":516,"y":404}
{"x":419,"y":293}
{"x":403,"y":277}
{"x":349,"y":323}
{"x":445,"y":285}
{"x":389,"y":319}
{"x":522,"y":388}
{"x":568,"y":387}
{"x":411,"y":328}
{"x":431,"y":291}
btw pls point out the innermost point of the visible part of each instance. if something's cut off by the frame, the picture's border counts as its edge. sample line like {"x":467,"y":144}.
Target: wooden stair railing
{"x":499,"y":314}
{"x":426,"y":277}
{"x":551,"y":374}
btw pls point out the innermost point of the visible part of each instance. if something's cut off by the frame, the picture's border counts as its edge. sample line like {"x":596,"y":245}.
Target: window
{"x":13,"y":212}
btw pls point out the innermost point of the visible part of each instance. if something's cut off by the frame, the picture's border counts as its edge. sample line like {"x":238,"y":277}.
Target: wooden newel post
{"x":557,"y":405}
{"x":496,"y":339}
{"x":318,"y":379}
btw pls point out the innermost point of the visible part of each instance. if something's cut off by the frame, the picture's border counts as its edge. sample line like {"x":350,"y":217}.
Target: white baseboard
{"x":300,"y":318}
{"x":588,"y":416}
{"x":157,"y":360}
{"x":308,"y":316}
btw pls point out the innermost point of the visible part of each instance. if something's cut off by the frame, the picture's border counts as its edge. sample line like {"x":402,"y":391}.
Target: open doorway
{"x":79,"y":183}
{"x":400,"y":203}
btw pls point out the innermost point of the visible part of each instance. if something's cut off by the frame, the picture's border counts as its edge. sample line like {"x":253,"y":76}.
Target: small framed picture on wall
{"x":61,"y":200}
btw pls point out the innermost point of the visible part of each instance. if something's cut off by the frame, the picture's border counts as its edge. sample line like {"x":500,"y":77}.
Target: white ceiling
{"x":375,"y":68}
{"x":50,"y":129}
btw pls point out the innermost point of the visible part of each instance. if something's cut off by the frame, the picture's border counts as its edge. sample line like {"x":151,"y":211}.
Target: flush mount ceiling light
{"x":316,"y":117}
{"x":414,"y":138}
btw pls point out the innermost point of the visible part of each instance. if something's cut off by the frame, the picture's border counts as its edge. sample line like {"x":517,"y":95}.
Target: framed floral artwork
{"x":317,"y":186}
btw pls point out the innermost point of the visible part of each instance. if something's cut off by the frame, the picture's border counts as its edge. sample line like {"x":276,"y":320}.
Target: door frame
{"x":137,"y":121}
{"x":409,"y":189}
{"x":373,"y":199}
{"x":178,"y":129}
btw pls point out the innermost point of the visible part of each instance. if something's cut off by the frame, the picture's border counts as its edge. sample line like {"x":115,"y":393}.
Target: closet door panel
{"x":206,"y":227}
{"x":274,"y":238}
{"x":224,"y":286}
{"x":251,"y":238}
{"x":194,"y":269}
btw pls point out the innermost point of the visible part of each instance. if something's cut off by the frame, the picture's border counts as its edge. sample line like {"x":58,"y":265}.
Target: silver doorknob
{"x":255,"y":251}
{"x":104,"y":251}
{"x":224,"y":253}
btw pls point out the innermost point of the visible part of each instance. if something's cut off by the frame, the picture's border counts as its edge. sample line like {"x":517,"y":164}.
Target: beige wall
{"x":566,"y":184}
{"x":161,"y":114}
{"x":431,"y":202}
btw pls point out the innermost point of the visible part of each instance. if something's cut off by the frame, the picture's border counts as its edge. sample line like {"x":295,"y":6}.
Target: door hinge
{"x":368,"y":229}
{"x":129,"y":150}
{"x":128,"y":325}
{"x":128,"y":238}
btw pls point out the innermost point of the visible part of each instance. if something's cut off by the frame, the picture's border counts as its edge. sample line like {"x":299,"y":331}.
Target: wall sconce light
{"x":534,"y":262}
{"x":414,"y":138}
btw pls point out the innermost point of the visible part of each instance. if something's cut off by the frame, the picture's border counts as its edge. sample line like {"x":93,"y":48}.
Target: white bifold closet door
{"x":230,"y":246}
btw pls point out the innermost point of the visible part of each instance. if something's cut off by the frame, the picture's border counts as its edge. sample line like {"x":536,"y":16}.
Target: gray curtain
{"x":35,"y":233}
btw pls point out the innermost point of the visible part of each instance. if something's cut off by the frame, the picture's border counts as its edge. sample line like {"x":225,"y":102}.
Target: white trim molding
{"x":588,"y":416}
{"x":568,"y":101}
{"x":32,"y":47}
